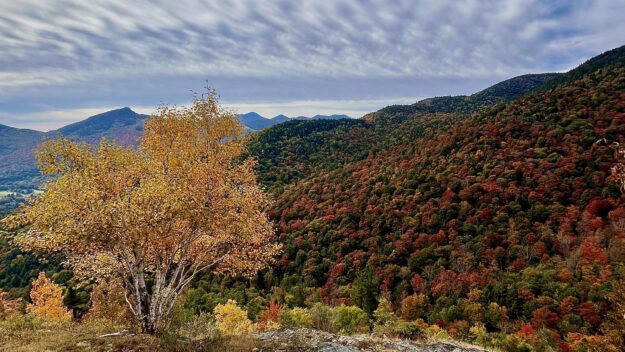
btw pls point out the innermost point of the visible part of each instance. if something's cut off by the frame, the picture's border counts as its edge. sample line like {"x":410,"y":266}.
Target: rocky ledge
{"x":305,"y":340}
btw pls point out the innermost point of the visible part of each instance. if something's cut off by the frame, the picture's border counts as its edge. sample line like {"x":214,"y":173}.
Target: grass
{"x":24,"y":334}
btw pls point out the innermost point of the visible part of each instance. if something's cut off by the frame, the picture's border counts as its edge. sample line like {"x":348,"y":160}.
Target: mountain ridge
{"x":18,"y":170}
{"x":123,"y":125}
{"x":254,"y":121}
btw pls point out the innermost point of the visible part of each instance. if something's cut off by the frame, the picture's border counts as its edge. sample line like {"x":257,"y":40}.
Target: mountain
{"x":17,"y":162}
{"x":291,"y":151}
{"x":18,"y":170}
{"x":16,"y":157}
{"x":499,"y":93}
{"x":254,"y":122}
{"x":493,"y":212}
{"x":13,"y":139}
{"x":322,"y":117}
{"x":122,"y":125}
{"x":609,"y":59}
{"x":498,"y":215}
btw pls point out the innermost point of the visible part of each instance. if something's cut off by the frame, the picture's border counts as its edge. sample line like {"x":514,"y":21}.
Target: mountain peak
{"x":110,"y":124}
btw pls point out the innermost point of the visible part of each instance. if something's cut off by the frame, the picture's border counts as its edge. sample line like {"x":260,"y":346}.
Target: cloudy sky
{"x":64,"y":60}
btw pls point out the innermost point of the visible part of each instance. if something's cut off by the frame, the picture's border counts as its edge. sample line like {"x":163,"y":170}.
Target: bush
{"x":268,"y":319}
{"x":20,"y":322}
{"x":384,"y":313}
{"x":232,"y":320}
{"x":202,"y":327}
{"x":322,"y":317}
{"x":350,"y":320}
{"x":47,"y":298}
{"x":108,"y":304}
{"x":296,"y":318}
{"x":401,"y":329}
{"x":499,"y":341}
{"x":8,"y":307}
{"x":413,"y":306}
{"x":436,"y":333}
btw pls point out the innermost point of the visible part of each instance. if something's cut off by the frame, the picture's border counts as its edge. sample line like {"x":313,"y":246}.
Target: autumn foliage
{"x":47,"y":300}
{"x":518,"y":201}
{"x":232,"y":320}
{"x":183,"y":203}
{"x":8,"y":307}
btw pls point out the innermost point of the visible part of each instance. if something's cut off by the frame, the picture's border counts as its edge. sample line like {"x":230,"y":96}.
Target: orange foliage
{"x":47,"y":300}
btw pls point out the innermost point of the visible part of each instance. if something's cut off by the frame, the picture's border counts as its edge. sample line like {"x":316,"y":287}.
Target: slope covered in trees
{"x":294,"y":150}
{"x":506,"y":218}
{"x":499,"y":93}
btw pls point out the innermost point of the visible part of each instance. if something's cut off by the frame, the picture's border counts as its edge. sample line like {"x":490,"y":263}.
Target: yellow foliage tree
{"x":47,"y":300}
{"x":232,"y":320}
{"x":182,"y":203}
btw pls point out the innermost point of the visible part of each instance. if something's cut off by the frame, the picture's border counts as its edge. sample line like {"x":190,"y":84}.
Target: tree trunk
{"x":148,"y":321}
{"x":151,"y":307}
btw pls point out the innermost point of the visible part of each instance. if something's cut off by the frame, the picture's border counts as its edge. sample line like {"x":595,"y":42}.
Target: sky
{"x":64,"y":60}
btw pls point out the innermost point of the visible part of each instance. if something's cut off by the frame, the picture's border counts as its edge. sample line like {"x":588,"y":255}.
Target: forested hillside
{"x":294,"y":150}
{"x":507,"y":217}
{"x":499,"y":93}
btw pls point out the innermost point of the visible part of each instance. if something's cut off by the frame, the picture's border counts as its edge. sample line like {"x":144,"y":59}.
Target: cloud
{"x":66,"y":44}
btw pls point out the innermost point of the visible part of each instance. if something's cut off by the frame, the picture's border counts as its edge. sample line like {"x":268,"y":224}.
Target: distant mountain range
{"x":254,"y":121}
{"x":17,"y":162}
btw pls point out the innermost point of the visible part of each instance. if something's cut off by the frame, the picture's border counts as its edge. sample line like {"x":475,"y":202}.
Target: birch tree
{"x":182,"y":203}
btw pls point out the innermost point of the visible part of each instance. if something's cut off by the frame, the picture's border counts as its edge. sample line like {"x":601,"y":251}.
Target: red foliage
{"x":589,"y":313}
{"x":418,"y":284}
{"x":269,"y":315}
{"x":567,"y":305}
{"x":526,"y":331}
{"x":592,"y":252}
{"x":599,"y":207}
{"x":545,"y":317}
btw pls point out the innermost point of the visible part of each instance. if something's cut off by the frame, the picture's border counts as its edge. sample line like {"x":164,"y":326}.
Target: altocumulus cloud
{"x":67,"y":55}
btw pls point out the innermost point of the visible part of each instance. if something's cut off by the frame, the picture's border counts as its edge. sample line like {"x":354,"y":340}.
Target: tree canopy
{"x":184,"y":202}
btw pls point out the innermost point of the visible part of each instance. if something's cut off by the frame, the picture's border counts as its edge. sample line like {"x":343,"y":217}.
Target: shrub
{"x":436,"y":333}
{"x":322,"y":317}
{"x":19,"y":323}
{"x":8,"y":307}
{"x":232,"y":320}
{"x":500,"y":341}
{"x":496,"y":315}
{"x":296,"y":318}
{"x":181,"y":315}
{"x":401,"y":329}
{"x":384,"y":315}
{"x":268,"y":319}
{"x":350,"y":319}
{"x":202,"y":327}
{"x":47,"y":298}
